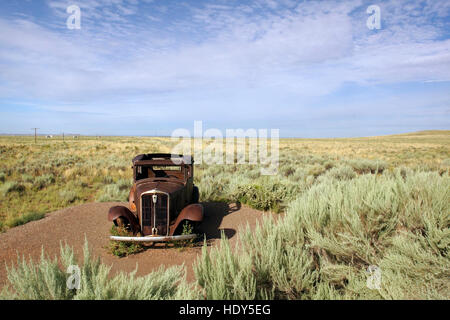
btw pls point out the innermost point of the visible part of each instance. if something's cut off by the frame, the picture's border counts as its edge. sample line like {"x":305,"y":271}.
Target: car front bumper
{"x":154,"y":238}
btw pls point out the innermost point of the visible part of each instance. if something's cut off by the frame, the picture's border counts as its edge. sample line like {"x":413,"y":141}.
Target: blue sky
{"x":308,"y":68}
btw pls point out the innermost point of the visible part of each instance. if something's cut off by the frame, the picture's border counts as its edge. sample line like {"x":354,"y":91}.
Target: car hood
{"x":167,"y":186}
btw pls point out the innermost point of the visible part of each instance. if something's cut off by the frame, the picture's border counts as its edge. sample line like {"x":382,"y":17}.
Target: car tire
{"x":195,"y":195}
{"x":121,"y":222}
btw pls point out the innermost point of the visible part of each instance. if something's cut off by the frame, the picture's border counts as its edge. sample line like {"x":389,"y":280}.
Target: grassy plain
{"x":349,"y":203}
{"x":52,"y":174}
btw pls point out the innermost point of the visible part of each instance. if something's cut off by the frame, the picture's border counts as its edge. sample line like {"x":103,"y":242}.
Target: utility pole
{"x":63,"y":136}
{"x":35,"y":134}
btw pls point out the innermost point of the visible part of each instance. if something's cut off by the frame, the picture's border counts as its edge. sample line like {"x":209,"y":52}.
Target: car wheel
{"x":121,"y":222}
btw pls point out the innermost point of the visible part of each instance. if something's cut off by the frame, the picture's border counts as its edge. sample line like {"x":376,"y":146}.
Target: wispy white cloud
{"x":130,"y":49}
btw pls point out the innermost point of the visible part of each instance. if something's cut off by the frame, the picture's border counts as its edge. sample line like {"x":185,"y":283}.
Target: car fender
{"x":121,"y":211}
{"x":131,"y":202}
{"x":192,"y":212}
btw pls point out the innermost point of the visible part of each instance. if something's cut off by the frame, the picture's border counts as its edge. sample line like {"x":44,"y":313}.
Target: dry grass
{"x":349,"y":203}
{"x":53,"y":174}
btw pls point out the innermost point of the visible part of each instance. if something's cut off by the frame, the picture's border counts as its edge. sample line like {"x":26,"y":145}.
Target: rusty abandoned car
{"x":162,"y":200}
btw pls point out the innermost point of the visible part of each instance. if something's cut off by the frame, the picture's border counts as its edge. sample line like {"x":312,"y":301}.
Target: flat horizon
{"x":68,"y":135}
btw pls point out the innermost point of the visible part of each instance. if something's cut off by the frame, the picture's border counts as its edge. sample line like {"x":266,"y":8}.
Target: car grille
{"x":160,"y":215}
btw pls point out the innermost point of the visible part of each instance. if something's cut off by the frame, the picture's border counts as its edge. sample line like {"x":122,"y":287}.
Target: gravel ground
{"x":89,"y":220}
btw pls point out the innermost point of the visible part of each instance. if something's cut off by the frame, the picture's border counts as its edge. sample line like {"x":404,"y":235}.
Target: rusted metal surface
{"x":163,"y":158}
{"x":192,"y":212}
{"x":121,"y":211}
{"x":163,"y":195}
{"x":131,"y":198}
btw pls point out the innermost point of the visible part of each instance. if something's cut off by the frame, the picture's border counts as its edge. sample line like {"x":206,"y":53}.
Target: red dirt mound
{"x":89,"y":220}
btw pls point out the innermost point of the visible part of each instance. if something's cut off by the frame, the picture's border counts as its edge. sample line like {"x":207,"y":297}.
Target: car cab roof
{"x":159,"y":158}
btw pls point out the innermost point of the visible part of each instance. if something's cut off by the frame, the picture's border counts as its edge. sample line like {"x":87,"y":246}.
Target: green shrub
{"x":23,"y":218}
{"x":2,"y":177}
{"x":124,"y":184}
{"x":340,"y":173}
{"x":403,"y":171}
{"x":300,"y":175}
{"x":11,"y":186}
{"x":68,"y":196}
{"x":256,"y":196}
{"x":411,"y":270}
{"x":213,"y":188}
{"x":331,"y":234}
{"x":363,"y":166}
{"x":224,"y":275}
{"x":267,"y":195}
{"x":27,"y":177}
{"x":287,"y":169}
{"x":113,"y":192}
{"x":47,"y":280}
{"x":316,"y":170}
{"x":123,"y":248}
{"x":43,"y":181}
